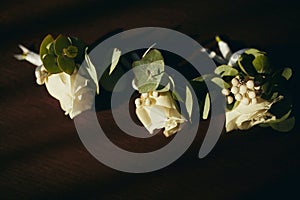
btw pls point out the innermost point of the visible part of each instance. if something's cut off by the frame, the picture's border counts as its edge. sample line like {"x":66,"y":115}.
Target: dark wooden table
{"x":41,"y":155}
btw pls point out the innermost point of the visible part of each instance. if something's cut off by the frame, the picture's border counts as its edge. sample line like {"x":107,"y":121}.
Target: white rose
{"x":74,"y":96}
{"x":75,"y":92}
{"x":245,"y":116}
{"x":158,"y":110}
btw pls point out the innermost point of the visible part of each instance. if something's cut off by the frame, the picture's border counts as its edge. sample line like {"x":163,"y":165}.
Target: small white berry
{"x":245,"y":101}
{"x":250,"y":84}
{"x":234,"y":90}
{"x":225,"y":91}
{"x":243,"y":89}
{"x":144,"y":95}
{"x":155,"y":94}
{"x":238,"y":97}
{"x":137,"y":102}
{"x":257,"y":88}
{"x":251,"y":94}
{"x":235,"y":82}
{"x":229,"y":99}
{"x":147,"y":102}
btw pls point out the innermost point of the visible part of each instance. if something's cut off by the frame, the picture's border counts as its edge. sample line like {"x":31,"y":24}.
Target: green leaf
{"x":233,"y":105}
{"x":220,"y":82}
{"x":66,"y":64}
{"x":287,"y":73}
{"x":261,"y":63}
{"x":245,"y":62}
{"x":225,"y":70}
{"x":49,"y":62}
{"x":71,"y":51}
{"x":254,"y":52}
{"x":188,"y":101}
{"x":176,"y":96}
{"x":147,"y":87}
{"x":114,"y":60}
{"x":284,"y":126}
{"x":91,"y":70}
{"x":149,"y":71}
{"x":81,"y":48}
{"x":164,"y":88}
{"x":284,"y":117}
{"x":203,"y":78}
{"x":206,"y":106}
{"x":152,"y":56}
{"x":60,"y":43}
{"x":43,"y":47}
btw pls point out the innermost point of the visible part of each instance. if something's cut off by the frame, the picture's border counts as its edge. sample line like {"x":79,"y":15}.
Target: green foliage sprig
{"x":62,"y":54}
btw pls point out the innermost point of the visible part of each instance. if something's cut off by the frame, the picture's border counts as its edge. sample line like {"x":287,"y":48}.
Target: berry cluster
{"x":244,"y":91}
{"x":146,"y":99}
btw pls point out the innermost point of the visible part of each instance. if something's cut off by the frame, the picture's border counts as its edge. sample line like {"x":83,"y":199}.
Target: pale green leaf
{"x":284,"y":126}
{"x":220,"y":82}
{"x":225,"y":70}
{"x":188,"y":101}
{"x":150,"y":73}
{"x":114,"y":60}
{"x":147,"y":87}
{"x":92,"y":71}
{"x":203,"y":77}
{"x":261,"y":63}
{"x":206,"y":106}
{"x":176,"y":96}
{"x":164,"y":89}
{"x":287,"y":73}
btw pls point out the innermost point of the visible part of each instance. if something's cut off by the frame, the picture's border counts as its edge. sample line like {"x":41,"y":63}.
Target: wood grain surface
{"x":41,"y":155}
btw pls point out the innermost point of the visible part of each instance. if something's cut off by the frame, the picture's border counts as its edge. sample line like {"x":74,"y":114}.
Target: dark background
{"x":41,"y":155}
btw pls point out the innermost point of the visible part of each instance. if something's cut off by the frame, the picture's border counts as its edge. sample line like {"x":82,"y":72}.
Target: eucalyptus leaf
{"x":153,"y":55}
{"x":147,"y":87}
{"x":81,"y":48}
{"x":114,"y":60}
{"x":220,"y":82}
{"x":71,"y":51}
{"x":287,"y":73}
{"x":226,"y":70}
{"x":165,"y":88}
{"x":60,"y":43}
{"x":66,"y":64}
{"x":43,"y":47}
{"x":176,"y":96}
{"x":284,"y":126}
{"x":91,"y":70}
{"x":206,"y":107}
{"x":261,"y":63}
{"x":149,"y":71}
{"x":204,"y":77}
{"x":188,"y":102}
{"x":284,"y":117}
{"x":49,"y":62}
{"x":254,"y":52}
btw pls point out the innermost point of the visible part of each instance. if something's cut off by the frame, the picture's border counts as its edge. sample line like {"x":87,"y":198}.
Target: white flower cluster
{"x":243,"y":91}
